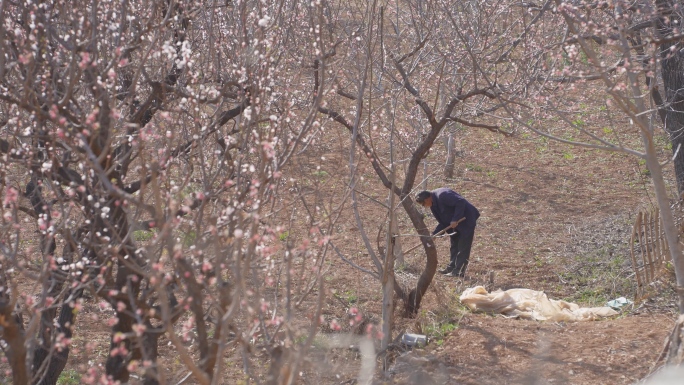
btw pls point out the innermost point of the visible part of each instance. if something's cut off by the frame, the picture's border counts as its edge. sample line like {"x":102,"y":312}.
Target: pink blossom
{"x":206,"y":266}
{"x":53,"y":112}
{"x":89,"y":377}
{"x":139,"y":329}
{"x":119,"y":351}
{"x":132,"y":366}
{"x":25,"y":58}
{"x":61,"y":342}
{"x":85,"y":59}
{"x":118,"y":337}
{"x":11,"y":195}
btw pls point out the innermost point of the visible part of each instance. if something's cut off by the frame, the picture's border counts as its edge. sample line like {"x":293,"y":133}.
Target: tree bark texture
{"x":673,"y":80}
{"x":13,"y":335}
{"x":412,"y":303}
{"x":451,"y":156}
{"x":671,"y":110}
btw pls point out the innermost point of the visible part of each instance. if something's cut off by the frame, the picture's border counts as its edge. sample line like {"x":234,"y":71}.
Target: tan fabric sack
{"x":530,"y":304}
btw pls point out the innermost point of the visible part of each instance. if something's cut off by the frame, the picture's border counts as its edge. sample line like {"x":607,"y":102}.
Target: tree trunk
{"x":49,"y":372}
{"x":116,"y":365}
{"x":398,"y":251}
{"x":388,"y":288}
{"x":675,"y":347}
{"x":57,"y":360}
{"x":388,"y":268}
{"x":13,"y":335}
{"x":412,"y":302}
{"x":671,"y":110}
{"x":671,"y":230}
{"x":451,"y":156}
{"x":394,"y":228}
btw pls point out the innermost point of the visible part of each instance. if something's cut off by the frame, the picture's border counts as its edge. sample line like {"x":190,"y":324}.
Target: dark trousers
{"x":460,"y":252}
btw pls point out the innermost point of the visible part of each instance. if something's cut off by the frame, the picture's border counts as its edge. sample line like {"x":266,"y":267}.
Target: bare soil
{"x":492,"y":350}
{"x":554,"y":218}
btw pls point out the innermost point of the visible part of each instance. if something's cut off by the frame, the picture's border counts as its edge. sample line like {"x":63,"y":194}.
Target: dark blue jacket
{"x":448,"y":206}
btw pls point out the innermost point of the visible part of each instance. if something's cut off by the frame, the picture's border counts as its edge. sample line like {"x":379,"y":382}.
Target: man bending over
{"x":459,"y":217}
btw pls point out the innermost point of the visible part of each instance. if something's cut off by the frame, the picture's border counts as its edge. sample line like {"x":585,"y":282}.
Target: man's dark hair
{"x":422,"y":196}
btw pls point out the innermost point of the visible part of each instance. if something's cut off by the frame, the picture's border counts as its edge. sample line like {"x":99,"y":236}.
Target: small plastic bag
{"x":619,"y":303}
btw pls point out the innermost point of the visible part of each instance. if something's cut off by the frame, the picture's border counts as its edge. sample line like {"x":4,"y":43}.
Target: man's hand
{"x":454,"y":224}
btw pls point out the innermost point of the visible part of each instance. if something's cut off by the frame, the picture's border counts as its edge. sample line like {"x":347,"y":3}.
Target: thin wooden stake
{"x":635,"y":265}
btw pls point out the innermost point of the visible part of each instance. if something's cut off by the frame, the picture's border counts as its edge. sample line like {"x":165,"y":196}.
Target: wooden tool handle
{"x":433,"y":236}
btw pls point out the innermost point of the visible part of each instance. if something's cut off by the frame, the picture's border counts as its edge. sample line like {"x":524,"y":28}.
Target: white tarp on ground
{"x":530,"y":304}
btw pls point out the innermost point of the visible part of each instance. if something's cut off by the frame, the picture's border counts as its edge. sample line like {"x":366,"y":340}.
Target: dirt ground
{"x":492,"y":350}
{"x":487,"y":350}
{"x":553,"y":218}
{"x":556,"y":219}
